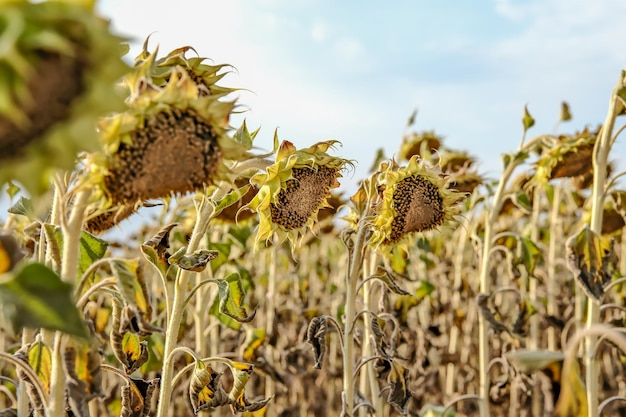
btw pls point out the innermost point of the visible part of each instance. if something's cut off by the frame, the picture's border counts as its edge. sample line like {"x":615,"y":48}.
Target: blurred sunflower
{"x":59,"y":67}
{"x":415,"y":198}
{"x":172,"y":138}
{"x":422,"y":144}
{"x":570,"y":157}
{"x":293,"y":190}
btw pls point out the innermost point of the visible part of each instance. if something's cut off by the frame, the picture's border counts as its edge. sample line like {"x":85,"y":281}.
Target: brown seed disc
{"x":574,"y":163}
{"x":106,"y":221}
{"x":302,"y":196}
{"x":175,"y":152}
{"x":57,"y":81}
{"x":419,"y":207}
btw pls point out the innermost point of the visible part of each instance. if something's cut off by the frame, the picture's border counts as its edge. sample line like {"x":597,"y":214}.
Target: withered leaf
{"x":231,"y":294}
{"x":588,"y":257}
{"x":136,"y":397}
{"x":205,"y":388}
{"x":498,"y":326}
{"x":316,"y":336}
{"x":160,"y":242}
{"x":196,"y":261}
{"x":399,"y":393}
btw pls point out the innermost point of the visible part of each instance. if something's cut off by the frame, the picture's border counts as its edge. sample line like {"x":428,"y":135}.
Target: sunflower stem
{"x":352,"y":279}
{"x":600,"y":161}
{"x":71,"y":228}
{"x":484,"y":277}
{"x":205,"y":210}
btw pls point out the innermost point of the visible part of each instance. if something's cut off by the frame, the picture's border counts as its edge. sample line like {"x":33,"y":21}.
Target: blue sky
{"x":354,"y":71}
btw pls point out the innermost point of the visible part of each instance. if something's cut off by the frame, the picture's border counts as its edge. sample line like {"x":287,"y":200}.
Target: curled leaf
{"x":399,"y":393}
{"x":205,"y":388}
{"x":316,"y":336}
{"x":231,"y":294}
{"x":160,"y":242}
{"x":482,"y":301}
{"x":136,"y":397}
{"x":196,"y":261}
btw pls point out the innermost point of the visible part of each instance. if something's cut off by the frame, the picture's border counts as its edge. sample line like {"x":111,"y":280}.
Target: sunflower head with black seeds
{"x":293,"y":189}
{"x":173,"y":137}
{"x":414,"y":199}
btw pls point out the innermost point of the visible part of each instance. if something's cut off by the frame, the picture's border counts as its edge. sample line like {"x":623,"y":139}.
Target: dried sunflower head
{"x":415,"y":198}
{"x":293,"y":189}
{"x":455,"y":161}
{"x":59,"y":67}
{"x":172,"y":138}
{"x":571,"y":157}
{"x":422,"y":144}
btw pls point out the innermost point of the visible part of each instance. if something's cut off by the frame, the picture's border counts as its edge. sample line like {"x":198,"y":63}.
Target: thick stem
{"x":352,"y":279}
{"x":69,"y":268}
{"x":205,"y":211}
{"x":600,"y":160}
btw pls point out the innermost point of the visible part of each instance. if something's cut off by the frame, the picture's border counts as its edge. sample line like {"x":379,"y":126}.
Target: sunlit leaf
{"x":24,"y":207}
{"x":90,"y":248}
{"x":572,"y":400}
{"x":132,"y":285}
{"x":35,"y":296}
{"x":254,"y":340}
{"x":135,"y":351}
{"x":531,"y":254}
{"x":565,"y":112}
{"x":587,"y":257}
{"x":424,"y":289}
{"x":40,"y":359}
{"x":12,"y":190}
{"x":230,"y":198}
{"x":231,"y":294}
{"x":527,"y":120}
{"x":245,"y":137}
{"x":205,"y":388}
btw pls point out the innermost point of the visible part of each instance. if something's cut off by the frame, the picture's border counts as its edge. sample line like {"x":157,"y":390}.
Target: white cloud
{"x":320,"y":31}
{"x":349,"y":48}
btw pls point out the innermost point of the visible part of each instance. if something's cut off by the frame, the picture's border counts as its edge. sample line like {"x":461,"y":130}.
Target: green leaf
{"x":254,"y":339}
{"x":223,"y":250}
{"x":36,"y":297}
{"x":230,"y":198}
{"x":196,"y":261}
{"x":565,"y":113}
{"x":424,"y":290}
{"x":506,"y":160}
{"x":527,"y":120}
{"x":231,"y":294}
{"x":523,"y":200}
{"x":24,"y":207}
{"x":531,"y":254}
{"x":90,"y":248}
{"x":40,"y":359}
{"x":12,"y":190}
{"x":245,"y":137}
{"x":223,"y":318}
{"x":132,"y":285}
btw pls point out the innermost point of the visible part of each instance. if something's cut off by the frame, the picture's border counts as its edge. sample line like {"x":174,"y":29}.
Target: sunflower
{"x":415,"y":199}
{"x":422,"y":144}
{"x":59,"y":67}
{"x":173,"y":136}
{"x":293,"y":190}
{"x":570,"y":157}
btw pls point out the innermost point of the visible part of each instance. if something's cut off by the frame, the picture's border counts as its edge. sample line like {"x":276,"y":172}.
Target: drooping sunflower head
{"x":60,"y":64}
{"x":422,"y":144}
{"x":571,"y":157}
{"x":414,"y":199}
{"x":293,"y":189}
{"x":172,"y":138}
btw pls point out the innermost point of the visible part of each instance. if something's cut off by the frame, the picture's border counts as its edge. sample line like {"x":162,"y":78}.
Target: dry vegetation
{"x":260,"y":288}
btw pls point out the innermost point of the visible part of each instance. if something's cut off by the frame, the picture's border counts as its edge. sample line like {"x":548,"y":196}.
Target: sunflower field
{"x":257,"y":286}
